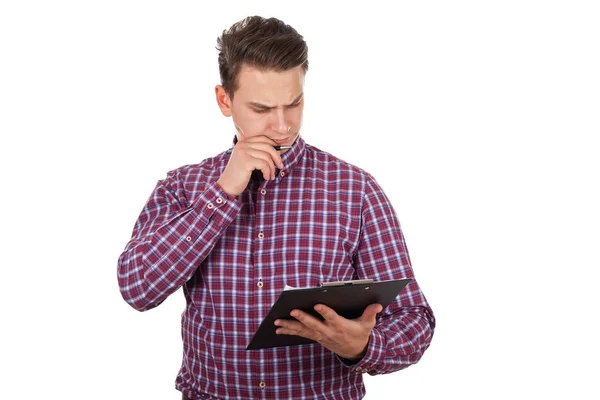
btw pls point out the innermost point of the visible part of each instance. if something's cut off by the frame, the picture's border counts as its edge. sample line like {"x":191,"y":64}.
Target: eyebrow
{"x":259,"y":105}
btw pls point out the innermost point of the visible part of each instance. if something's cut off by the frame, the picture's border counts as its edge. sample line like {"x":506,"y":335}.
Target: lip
{"x":282,"y":141}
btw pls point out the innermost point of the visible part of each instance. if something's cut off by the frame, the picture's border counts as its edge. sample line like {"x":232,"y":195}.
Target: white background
{"x":478,"y":118}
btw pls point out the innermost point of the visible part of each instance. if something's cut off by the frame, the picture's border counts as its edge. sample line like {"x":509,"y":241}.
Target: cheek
{"x":251,"y":125}
{"x":295,"y":115}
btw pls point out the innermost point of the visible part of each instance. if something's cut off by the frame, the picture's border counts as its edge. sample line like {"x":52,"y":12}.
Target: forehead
{"x":269,"y":87}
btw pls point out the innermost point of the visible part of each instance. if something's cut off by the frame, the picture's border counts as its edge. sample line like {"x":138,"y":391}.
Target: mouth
{"x":282,"y":141}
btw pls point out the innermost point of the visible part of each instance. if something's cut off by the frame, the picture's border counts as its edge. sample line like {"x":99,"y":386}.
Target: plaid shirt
{"x":320,"y":220}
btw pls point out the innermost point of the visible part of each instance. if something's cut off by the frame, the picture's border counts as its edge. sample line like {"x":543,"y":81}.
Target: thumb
{"x":371,"y":311}
{"x":241,"y":132}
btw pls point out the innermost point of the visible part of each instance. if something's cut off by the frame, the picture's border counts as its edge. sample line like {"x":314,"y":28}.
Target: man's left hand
{"x":348,"y":338}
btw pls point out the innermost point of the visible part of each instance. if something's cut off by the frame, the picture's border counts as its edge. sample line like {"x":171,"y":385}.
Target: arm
{"x":398,"y":336}
{"x":403,"y":331}
{"x":170,"y":240}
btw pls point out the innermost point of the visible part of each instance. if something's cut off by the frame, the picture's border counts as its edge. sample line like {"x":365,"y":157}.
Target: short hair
{"x":265,"y":44}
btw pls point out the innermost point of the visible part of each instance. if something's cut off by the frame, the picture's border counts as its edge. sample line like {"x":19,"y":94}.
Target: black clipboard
{"x":349,"y":299}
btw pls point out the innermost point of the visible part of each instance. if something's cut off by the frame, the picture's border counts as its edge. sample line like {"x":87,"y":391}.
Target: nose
{"x":280,"y":124}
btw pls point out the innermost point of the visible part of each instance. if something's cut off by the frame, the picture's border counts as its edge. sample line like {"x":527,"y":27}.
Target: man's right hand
{"x":249,"y":154}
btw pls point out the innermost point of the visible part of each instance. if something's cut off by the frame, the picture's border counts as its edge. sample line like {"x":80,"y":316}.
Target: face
{"x":266,"y":103}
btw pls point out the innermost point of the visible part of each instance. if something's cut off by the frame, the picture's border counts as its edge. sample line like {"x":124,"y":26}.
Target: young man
{"x":237,"y":228}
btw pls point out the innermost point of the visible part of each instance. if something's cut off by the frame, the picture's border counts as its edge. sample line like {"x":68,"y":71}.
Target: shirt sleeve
{"x":170,"y":240}
{"x":404,"y":329}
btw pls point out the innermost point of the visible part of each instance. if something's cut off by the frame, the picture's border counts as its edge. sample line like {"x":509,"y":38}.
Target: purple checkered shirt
{"x":320,"y":220}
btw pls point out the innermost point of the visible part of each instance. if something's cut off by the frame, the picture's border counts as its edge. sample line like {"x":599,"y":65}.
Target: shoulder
{"x":347,"y":176}
{"x":324,"y":161}
{"x":204,"y":171}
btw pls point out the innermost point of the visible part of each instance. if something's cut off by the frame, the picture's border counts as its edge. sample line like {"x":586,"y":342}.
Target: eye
{"x":261,"y":110}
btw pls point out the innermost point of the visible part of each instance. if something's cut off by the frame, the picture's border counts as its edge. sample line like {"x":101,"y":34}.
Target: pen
{"x":275,"y":147}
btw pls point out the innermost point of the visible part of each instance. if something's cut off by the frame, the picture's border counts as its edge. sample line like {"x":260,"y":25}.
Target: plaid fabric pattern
{"x":320,"y":220}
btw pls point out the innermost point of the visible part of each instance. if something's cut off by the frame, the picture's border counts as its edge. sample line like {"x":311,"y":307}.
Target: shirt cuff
{"x":216,"y":202}
{"x":373,"y":357}
{"x":207,"y":218}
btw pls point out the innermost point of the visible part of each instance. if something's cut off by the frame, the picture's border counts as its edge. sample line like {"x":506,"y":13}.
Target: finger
{"x":287,"y":331}
{"x":307,"y":333}
{"x":308,"y":320}
{"x":265,"y":165}
{"x":268,"y":148}
{"x":371,"y":312}
{"x":266,"y":144}
{"x":287,"y":327}
{"x":289,"y":324}
{"x":328,"y":313}
{"x":267,"y":168}
{"x":261,"y":139}
{"x":293,"y":327}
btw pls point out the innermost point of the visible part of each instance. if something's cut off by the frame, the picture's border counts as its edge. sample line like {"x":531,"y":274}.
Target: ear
{"x":223,"y":100}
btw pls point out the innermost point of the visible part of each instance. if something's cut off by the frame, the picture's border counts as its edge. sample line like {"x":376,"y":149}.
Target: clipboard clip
{"x":347,"y":283}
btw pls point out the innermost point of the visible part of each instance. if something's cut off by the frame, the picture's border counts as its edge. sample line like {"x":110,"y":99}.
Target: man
{"x":237,"y":228}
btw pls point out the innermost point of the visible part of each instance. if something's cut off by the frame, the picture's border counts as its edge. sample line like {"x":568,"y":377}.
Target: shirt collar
{"x":291,"y":157}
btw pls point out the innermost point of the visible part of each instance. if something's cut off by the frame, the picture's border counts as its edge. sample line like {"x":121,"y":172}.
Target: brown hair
{"x":267,"y":44}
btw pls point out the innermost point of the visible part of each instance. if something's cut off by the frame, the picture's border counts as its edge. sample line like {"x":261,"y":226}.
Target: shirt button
{"x":219,"y":200}
{"x":210,"y":205}
{"x":282,"y":174}
{"x":262,"y":384}
{"x":189,"y":238}
{"x":260,"y":285}
{"x":261,"y":236}
{"x":263,"y":192}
